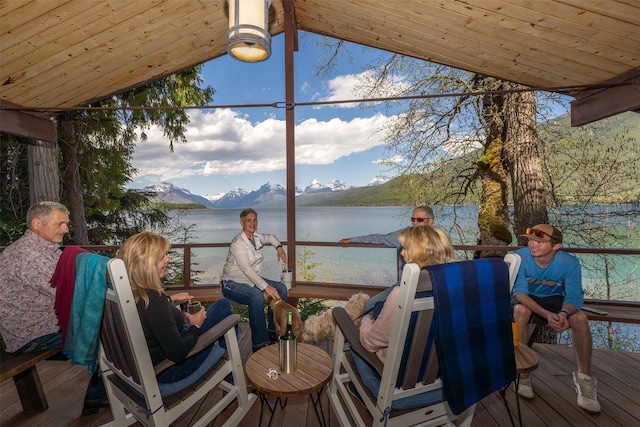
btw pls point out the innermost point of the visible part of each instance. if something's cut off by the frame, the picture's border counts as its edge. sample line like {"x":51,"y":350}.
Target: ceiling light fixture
{"x":248,"y":38}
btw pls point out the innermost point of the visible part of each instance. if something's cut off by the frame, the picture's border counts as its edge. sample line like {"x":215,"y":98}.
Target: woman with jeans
{"x":169,"y":332}
{"x":242,"y":281}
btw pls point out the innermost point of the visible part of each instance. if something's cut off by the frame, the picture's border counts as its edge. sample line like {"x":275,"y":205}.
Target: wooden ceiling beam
{"x":26,"y":123}
{"x":595,"y":104}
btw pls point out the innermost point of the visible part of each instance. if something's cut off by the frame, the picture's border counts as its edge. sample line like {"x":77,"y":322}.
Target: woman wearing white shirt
{"x":242,"y":281}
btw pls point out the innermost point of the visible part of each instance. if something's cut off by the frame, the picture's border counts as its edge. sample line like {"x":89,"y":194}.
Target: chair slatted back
{"x":450,"y":346}
{"x":419,"y":361}
{"x":117,"y":346}
{"x":123,"y":342}
{"x":416,"y":356}
{"x":412,"y":360}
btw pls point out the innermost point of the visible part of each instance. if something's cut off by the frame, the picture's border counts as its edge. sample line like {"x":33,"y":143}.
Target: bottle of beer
{"x":288,"y":347}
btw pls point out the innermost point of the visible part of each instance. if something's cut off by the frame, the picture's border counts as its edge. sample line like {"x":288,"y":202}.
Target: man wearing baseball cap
{"x":549,"y":284}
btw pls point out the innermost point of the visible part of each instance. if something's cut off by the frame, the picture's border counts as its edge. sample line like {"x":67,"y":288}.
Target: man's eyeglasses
{"x":414,"y":219}
{"x":539,"y":233}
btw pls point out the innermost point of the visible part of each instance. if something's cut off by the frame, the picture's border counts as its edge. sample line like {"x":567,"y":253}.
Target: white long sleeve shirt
{"x":244,"y":262}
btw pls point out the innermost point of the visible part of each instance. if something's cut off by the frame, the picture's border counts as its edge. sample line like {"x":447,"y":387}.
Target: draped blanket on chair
{"x":473,"y":335}
{"x":64,"y":280}
{"x":83,"y":330}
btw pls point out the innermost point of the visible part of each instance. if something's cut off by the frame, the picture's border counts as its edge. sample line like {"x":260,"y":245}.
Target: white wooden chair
{"x":513,"y":262}
{"x":130,"y":378}
{"x":414,"y":362}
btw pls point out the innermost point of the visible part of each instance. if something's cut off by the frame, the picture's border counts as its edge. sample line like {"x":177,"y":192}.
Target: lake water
{"x":378,"y":266}
{"x":372,"y":266}
{"x":330,"y":224}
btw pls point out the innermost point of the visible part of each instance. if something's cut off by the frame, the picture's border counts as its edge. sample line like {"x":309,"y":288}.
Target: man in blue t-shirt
{"x":549,"y":284}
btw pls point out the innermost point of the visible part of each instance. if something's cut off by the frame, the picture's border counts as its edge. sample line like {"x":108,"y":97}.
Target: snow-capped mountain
{"x":214,"y":197}
{"x":240,"y":198}
{"x":231,"y":199}
{"x":267,"y":194}
{"x":169,"y":193}
{"x":316,"y":186}
{"x":376,"y":181}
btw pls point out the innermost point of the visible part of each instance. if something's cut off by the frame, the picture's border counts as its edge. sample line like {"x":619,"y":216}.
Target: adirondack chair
{"x":513,"y":262}
{"x":130,"y":378}
{"x":440,"y":356}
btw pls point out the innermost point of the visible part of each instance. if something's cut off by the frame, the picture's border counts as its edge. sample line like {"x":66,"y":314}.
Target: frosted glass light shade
{"x":248,"y":38}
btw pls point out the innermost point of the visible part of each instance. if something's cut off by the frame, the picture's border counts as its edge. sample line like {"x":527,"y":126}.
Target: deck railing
{"x":321,"y":289}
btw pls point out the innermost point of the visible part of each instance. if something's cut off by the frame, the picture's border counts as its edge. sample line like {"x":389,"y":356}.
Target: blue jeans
{"x":215,"y":313}
{"x":382,"y":296}
{"x":45,"y":342}
{"x":252,"y":297}
{"x":371,"y":380}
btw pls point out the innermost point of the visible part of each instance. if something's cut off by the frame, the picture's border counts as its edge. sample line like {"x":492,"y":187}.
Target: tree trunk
{"x":523,"y":160}
{"x":44,"y":180}
{"x":493,"y":212}
{"x":72,"y":184}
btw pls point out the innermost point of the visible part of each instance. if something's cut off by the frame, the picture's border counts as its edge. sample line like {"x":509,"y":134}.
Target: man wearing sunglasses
{"x":549,"y":284}
{"x":422,"y":215}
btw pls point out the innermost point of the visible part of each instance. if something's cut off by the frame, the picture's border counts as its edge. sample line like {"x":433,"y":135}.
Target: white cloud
{"x":358,"y":86}
{"x":389,"y":160}
{"x":225,"y":142}
{"x":341,"y":88}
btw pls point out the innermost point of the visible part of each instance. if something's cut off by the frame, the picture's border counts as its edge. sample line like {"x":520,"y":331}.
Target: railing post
{"x":186,"y":267}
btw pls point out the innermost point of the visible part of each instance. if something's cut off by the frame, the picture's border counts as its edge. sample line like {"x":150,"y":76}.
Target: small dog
{"x":280,"y":309}
{"x":320,"y":326}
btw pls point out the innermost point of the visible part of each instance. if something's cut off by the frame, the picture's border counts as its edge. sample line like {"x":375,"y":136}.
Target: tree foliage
{"x":486,"y":141}
{"x":474,"y":143}
{"x":96,"y":148}
{"x":14,"y":187}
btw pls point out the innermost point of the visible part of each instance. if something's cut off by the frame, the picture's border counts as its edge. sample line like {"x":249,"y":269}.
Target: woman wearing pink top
{"x":424,"y":246}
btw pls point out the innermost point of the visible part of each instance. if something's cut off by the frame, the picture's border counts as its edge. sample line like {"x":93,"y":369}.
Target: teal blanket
{"x":83,"y":331}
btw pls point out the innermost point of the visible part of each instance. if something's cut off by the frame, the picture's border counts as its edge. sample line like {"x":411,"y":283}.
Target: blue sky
{"x":245,"y":147}
{"x":228,"y":148}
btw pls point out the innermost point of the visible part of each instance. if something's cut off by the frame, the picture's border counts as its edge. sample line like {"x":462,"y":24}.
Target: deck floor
{"x":618,"y":375}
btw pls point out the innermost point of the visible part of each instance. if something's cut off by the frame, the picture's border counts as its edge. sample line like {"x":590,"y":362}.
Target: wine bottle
{"x":288,"y":334}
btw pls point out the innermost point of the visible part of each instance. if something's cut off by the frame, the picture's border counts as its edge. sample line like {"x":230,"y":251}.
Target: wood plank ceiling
{"x":58,"y":54}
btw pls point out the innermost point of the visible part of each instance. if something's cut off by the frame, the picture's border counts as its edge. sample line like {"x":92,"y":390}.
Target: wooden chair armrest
{"x":352,"y":336}
{"x":204,"y":340}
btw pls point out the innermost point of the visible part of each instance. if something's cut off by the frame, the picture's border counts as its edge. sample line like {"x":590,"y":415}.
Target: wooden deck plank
{"x":553,"y":385}
{"x":618,"y":375}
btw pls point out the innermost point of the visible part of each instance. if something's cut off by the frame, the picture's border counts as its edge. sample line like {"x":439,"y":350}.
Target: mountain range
{"x":606,"y":137}
{"x":268,"y":195}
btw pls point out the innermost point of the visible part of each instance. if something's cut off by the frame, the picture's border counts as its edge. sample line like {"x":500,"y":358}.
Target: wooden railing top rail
{"x":493,"y":248}
{"x":324,"y":290}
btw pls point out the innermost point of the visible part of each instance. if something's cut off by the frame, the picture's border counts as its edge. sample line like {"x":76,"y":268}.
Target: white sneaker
{"x":587,"y":389}
{"x":524,"y":387}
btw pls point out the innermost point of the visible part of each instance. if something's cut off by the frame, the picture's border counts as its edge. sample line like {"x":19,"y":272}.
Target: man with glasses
{"x":422,"y":215}
{"x":549,"y":284}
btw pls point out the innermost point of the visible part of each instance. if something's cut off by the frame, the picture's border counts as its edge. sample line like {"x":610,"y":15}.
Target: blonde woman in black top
{"x":168,"y":331}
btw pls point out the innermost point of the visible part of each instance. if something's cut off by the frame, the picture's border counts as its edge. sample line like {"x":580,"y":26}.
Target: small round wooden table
{"x":310,"y":378}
